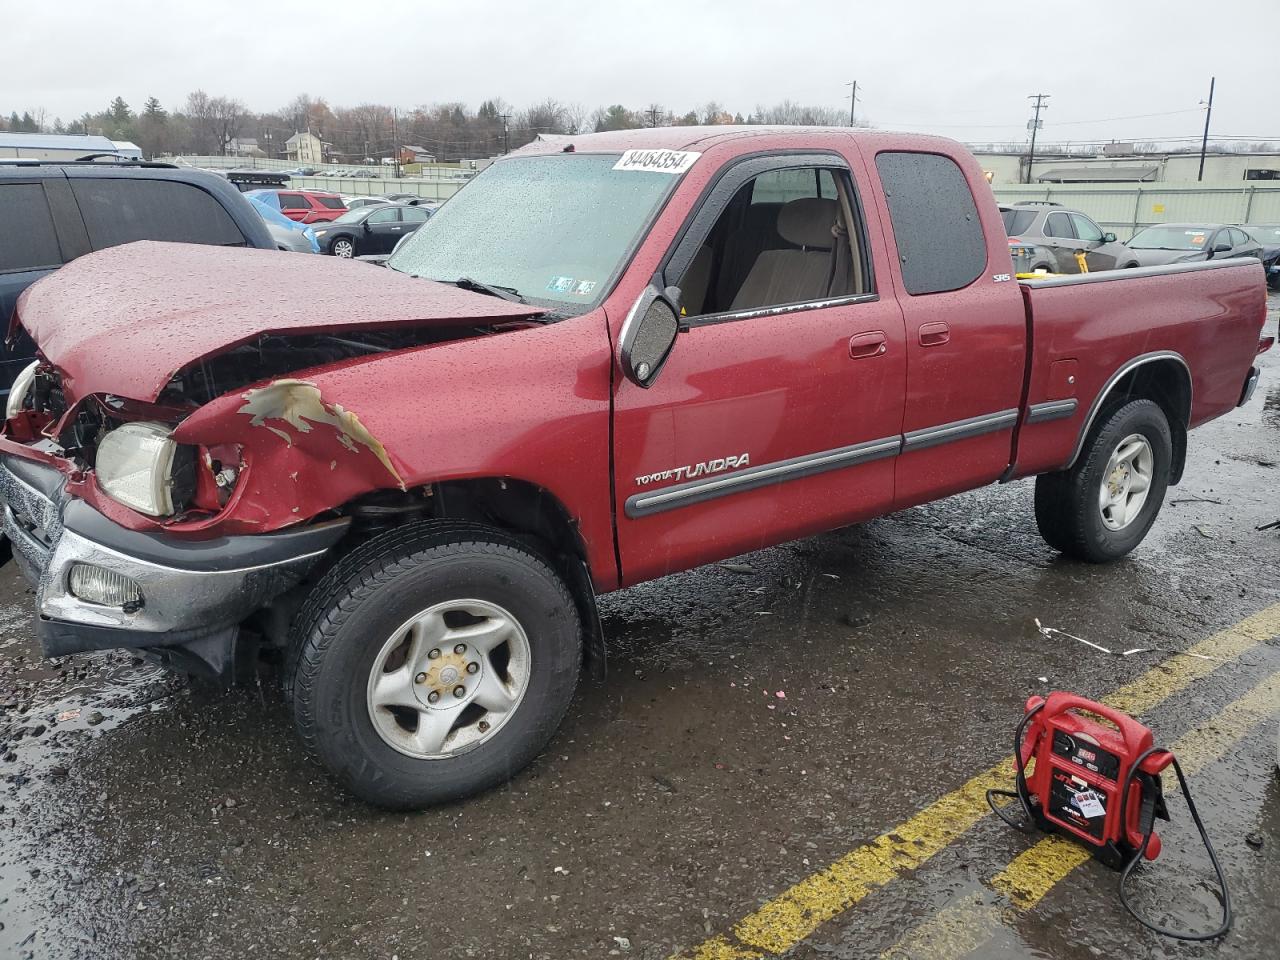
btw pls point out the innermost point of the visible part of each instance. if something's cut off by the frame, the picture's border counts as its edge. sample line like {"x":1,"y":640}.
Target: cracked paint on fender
{"x":298,"y":403}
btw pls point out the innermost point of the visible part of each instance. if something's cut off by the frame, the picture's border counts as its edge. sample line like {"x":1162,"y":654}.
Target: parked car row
{"x":1046,"y":237}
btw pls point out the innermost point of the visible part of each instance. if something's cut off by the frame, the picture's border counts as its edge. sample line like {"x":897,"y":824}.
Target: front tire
{"x":343,"y":247}
{"x":432,"y":663}
{"x":1101,"y":508}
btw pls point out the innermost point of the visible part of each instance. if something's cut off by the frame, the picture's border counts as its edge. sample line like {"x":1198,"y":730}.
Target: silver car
{"x":291,"y":241}
{"x":1061,"y":234}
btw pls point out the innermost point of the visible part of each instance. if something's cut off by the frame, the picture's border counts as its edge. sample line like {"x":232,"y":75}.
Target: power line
{"x":1056,"y":123}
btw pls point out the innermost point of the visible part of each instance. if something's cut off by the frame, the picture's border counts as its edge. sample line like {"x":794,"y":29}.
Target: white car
{"x":354,"y":203}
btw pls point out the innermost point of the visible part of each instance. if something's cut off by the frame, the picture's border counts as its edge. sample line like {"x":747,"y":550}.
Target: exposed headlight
{"x":321,"y":233}
{"x":140,"y":466}
{"x":21,"y":387}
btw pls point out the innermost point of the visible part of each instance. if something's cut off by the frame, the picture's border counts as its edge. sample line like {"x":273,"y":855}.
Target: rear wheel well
{"x":1167,"y":382}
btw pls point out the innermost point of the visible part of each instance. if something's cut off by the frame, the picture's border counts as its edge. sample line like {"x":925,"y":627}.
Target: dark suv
{"x":51,"y":213}
{"x":1059,"y":234}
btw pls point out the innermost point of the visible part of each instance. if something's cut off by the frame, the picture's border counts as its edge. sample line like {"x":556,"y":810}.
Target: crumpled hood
{"x":125,"y":320}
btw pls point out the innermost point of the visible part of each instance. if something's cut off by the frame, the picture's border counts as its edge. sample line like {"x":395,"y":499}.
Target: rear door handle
{"x":934,"y":334}
{"x":873,"y":343}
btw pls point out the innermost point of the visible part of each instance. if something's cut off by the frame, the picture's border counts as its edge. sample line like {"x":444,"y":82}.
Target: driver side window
{"x":786,"y":236}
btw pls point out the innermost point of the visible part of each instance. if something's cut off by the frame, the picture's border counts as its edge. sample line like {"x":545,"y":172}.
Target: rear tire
{"x":1101,"y":508}
{"x":397,"y":721}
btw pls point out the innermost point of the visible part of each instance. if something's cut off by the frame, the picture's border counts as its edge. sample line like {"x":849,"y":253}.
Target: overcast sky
{"x":945,"y":66}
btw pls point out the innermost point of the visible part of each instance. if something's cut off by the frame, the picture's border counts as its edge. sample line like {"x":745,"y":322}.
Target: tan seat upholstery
{"x":791,"y":276}
{"x":694,"y":283}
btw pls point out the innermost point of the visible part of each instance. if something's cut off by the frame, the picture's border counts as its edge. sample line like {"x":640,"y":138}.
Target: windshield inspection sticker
{"x":657,"y":161}
{"x":560,"y":284}
{"x":583,"y":287}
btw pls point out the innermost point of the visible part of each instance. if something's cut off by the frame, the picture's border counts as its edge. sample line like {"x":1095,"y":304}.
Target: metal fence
{"x":435,"y":182}
{"x":359,"y":187}
{"x":1124,"y":207}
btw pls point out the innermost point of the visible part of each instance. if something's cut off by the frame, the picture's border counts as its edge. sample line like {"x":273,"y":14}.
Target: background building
{"x":1118,"y":165}
{"x":305,"y":148}
{"x":63,"y":147}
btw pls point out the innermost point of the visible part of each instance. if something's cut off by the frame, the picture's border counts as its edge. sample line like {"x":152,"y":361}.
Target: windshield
{"x":1171,"y":238}
{"x":1264,"y":234}
{"x":555,"y":228}
{"x":1017,"y":222}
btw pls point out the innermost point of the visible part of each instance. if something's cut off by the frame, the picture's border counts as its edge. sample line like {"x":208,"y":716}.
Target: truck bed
{"x":1087,"y":331}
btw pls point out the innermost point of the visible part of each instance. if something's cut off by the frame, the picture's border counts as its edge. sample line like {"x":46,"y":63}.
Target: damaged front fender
{"x":302,"y":454}
{"x":298,"y":404}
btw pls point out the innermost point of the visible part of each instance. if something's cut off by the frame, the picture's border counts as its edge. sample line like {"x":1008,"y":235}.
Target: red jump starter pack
{"x":1080,"y":771}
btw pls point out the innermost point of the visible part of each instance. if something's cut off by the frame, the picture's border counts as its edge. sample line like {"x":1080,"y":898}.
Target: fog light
{"x":100,"y":585}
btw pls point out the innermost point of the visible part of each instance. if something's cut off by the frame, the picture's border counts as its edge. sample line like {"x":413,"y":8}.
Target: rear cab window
{"x":28,"y":240}
{"x":332,"y":203}
{"x":120,"y":210}
{"x":935,"y":220}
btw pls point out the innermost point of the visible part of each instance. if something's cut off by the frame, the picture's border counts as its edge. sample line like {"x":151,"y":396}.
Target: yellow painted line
{"x":954,"y":931}
{"x":794,"y":914}
{"x":968,"y":925}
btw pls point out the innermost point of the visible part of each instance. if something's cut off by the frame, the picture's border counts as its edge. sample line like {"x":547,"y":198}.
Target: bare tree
{"x":307,"y":113}
{"x":794,"y":114}
{"x":575,"y":116}
{"x":228,"y":115}
{"x":203,"y":126}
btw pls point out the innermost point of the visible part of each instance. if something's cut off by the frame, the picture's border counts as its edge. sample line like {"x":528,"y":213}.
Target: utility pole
{"x":853,"y":99}
{"x":395,"y":139}
{"x":1034,"y":124}
{"x":506,"y":133}
{"x":1204,"y":141}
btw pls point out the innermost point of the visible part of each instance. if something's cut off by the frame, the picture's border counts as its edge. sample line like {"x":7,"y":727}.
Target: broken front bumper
{"x":187,"y":590}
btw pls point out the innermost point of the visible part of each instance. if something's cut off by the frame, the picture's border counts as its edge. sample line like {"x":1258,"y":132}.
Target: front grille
{"x":30,"y":511}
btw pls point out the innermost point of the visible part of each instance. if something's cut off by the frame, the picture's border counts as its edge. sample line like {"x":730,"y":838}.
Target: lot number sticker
{"x":657,"y":161}
{"x":1089,"y":804}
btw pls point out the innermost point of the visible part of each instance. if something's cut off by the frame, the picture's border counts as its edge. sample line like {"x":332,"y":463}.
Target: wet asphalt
{"x":758,"y":721}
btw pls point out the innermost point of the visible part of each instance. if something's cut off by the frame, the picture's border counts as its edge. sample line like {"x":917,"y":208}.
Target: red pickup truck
{"x":608,"y":358}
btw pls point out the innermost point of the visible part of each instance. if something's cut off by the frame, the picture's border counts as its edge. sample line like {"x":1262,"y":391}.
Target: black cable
{"x":1149,"y":829}
{"x":1019,"y":780}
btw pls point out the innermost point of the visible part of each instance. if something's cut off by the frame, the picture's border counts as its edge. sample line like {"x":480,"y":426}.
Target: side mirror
{"x":1108,"y":238}
{"x":1222,"y":248}
{"x":648,"y":334}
